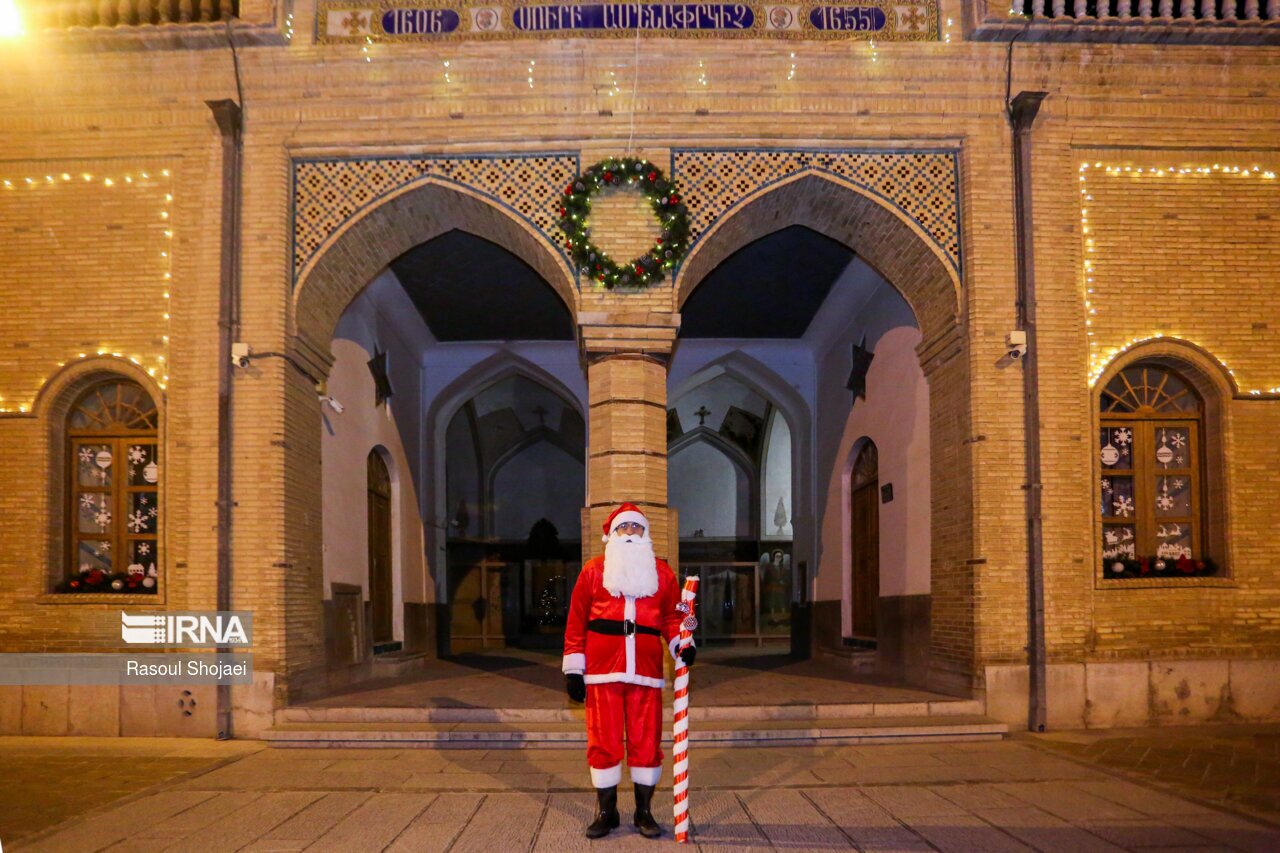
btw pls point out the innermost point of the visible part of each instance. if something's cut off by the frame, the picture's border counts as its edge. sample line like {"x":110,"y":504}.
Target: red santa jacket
{"x":633,"y":658}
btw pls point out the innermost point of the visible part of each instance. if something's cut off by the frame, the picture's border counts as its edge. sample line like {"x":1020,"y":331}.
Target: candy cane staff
{"x":680,"y":713}
{"x":623,"y":619}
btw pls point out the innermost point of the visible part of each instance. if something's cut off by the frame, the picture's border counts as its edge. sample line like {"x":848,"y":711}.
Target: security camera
{"x":333,"y":404}
{"x":1015,"y":345}
{"x":240,"y":354}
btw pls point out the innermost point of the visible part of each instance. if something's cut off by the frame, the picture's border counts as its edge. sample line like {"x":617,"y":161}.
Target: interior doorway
{"x":864,"y":542}
{"x":380,"y":592}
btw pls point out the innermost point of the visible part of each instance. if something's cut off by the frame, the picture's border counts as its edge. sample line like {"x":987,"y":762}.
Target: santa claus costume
{"x":622,"y":622}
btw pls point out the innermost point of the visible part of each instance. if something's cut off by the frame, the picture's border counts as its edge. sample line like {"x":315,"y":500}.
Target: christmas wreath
{"x":670,"y":211}
{"x":1155,"y":567}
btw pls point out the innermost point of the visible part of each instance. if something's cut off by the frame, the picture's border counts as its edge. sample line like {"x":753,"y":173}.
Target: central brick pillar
{"x":627,"y":447}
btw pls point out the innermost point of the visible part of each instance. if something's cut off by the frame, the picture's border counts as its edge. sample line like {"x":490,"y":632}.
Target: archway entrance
{"x":515,"y":471}
{"x":864,"y":544}
{"x":380,"y":592}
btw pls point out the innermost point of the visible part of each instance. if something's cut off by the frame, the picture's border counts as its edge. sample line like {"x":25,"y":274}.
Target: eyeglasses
{"x":629,"y":527}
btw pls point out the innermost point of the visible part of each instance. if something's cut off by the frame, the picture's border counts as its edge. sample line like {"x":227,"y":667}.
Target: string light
{"x":447,"y":79}
{"x":532,"y":62}
{"x":159,"y":367}
{"x":791,"y":75}
{"x":368,"y":40}
{"x":702,"y":74}
{"x":946,"y":34}
{"x":288,"y":27}
{"x":1100,"y":357}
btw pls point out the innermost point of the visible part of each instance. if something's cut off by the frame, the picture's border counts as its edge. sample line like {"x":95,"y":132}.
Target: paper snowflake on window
{"x":1106,"y":484}
{"x":86,"y":455}
{"x":1124,"y":436}
{"x":102,"y":517}
{"x":1164,"y":502}
{"x":1179,"y":460}
{"x":137,"y":522}
{"x":144,"y":548}
{"x":103,"y":548}
{"x":152,"y":512}
{"x":1123,"y":505}
{"x":1178,"y":439}
{"x":88,"y":501}
{"x":1177,"y":485}
{"x":143,"y":500}
{"x":137,"y":454}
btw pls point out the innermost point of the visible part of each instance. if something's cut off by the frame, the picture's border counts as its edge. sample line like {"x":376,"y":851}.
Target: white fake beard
{"x":630,"y":567}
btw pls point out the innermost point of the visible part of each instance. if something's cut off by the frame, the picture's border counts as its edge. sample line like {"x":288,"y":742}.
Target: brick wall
{"x":86,"y":279}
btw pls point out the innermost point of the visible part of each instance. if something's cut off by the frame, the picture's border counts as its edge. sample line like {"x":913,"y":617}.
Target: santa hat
{"x":624,"y":513}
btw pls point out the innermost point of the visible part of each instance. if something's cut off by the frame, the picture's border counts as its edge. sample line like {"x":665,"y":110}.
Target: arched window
{"x":1151,"y":509}
{"x":113,"y":488}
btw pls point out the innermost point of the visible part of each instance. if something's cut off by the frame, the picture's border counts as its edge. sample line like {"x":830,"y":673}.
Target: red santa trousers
{"x":611,"y":707}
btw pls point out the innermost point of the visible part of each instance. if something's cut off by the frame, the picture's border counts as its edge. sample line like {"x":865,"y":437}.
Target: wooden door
{"x":864,"y":542}
{"x":380,"y":594}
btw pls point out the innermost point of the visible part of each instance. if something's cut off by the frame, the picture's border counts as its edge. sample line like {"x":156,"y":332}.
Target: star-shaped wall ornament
{"x":381,"y":382}
{"x":861,"y":363}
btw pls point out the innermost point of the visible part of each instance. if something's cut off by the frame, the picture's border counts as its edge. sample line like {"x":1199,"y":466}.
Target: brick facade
{"x":1188,"y":257}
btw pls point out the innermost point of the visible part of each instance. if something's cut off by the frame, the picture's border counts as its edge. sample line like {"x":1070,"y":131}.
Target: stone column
{"x":627,"y":359}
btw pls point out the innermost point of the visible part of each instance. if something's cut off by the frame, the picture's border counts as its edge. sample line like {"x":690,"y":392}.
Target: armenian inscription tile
{"x":448,"y":20}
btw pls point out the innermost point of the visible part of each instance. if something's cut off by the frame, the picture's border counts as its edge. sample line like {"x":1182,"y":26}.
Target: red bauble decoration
{"x":94,"y":577}
{"x":564,"y":212}
{"x":568,"y":190}
{"x":75,"y":584}
{"x":653,"y":176}
{"x":608,"y":177}
{"x":675,"y":199}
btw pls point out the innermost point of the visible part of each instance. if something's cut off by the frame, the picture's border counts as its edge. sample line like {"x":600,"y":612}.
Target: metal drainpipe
{"x":1022,"y":110}
{"x":228,"y":116}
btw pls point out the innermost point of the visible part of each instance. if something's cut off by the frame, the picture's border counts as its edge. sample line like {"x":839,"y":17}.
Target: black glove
{"x":687,"y":655}
{"x":576,"y":687}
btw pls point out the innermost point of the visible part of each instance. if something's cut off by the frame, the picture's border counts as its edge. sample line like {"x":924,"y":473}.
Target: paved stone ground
{"x":526,"y":679}
{"x":1235,"y":766}
{"x":998,"y":796}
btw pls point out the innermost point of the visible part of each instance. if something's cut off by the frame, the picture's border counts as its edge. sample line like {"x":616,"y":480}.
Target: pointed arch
{"x":879,"y":233}
{"x":348,"y":260}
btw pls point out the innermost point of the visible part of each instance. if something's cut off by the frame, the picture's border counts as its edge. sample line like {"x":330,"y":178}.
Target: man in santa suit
{"x":622,"y":622}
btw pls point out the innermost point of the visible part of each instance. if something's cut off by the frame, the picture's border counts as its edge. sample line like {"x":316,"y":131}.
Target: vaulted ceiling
{"x":771,"y":288}
{"x":469,"y":289}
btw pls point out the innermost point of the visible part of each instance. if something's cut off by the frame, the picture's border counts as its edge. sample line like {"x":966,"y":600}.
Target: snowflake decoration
{"x":1164,"y":502}
{"x":86,"y":455}
{"x":144,"y":548}
{"x":137,"y":454}
{"x":1124,"y":435}
{"x":1179,"y":460}
{"x":153,"y":512}
{"x":1177,"y":485}
{"x":102,"y":548}
{"x":102,"y":517}
{"x":137,"y":521}
{"x":1106,"y":484}
{"x":1123,"y":505}
{"x":87,"y":501}
{"x":143,"y":500}
{"x":1178,"y":440}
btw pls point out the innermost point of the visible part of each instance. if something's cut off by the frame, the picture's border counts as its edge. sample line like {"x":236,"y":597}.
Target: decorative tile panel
{"x":329,"y":192}
{"x":923,"y":184}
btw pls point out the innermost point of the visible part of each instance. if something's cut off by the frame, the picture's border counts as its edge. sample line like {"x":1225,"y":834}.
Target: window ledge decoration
{"x":670,"y":211}
{"x":1155,"y":567}
{"x":96,"y":580}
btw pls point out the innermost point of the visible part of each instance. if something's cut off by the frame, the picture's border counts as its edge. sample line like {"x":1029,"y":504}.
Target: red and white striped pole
{"x":680,"y":714}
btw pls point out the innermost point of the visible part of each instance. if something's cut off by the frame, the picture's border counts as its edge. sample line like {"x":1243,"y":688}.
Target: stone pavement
{"x":1235,"y":766}
{"x":1011,"y":795}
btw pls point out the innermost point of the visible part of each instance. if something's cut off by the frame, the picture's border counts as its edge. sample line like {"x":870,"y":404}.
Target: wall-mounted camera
{"x":240,"y":354}
{"x":1015,"y":349}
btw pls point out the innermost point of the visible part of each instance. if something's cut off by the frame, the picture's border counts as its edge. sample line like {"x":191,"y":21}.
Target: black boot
{"x":644,"y":817}
{"x":606,"y":812}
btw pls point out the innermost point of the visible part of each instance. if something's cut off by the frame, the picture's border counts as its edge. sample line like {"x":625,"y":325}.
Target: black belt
{"x":620,"y":627}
